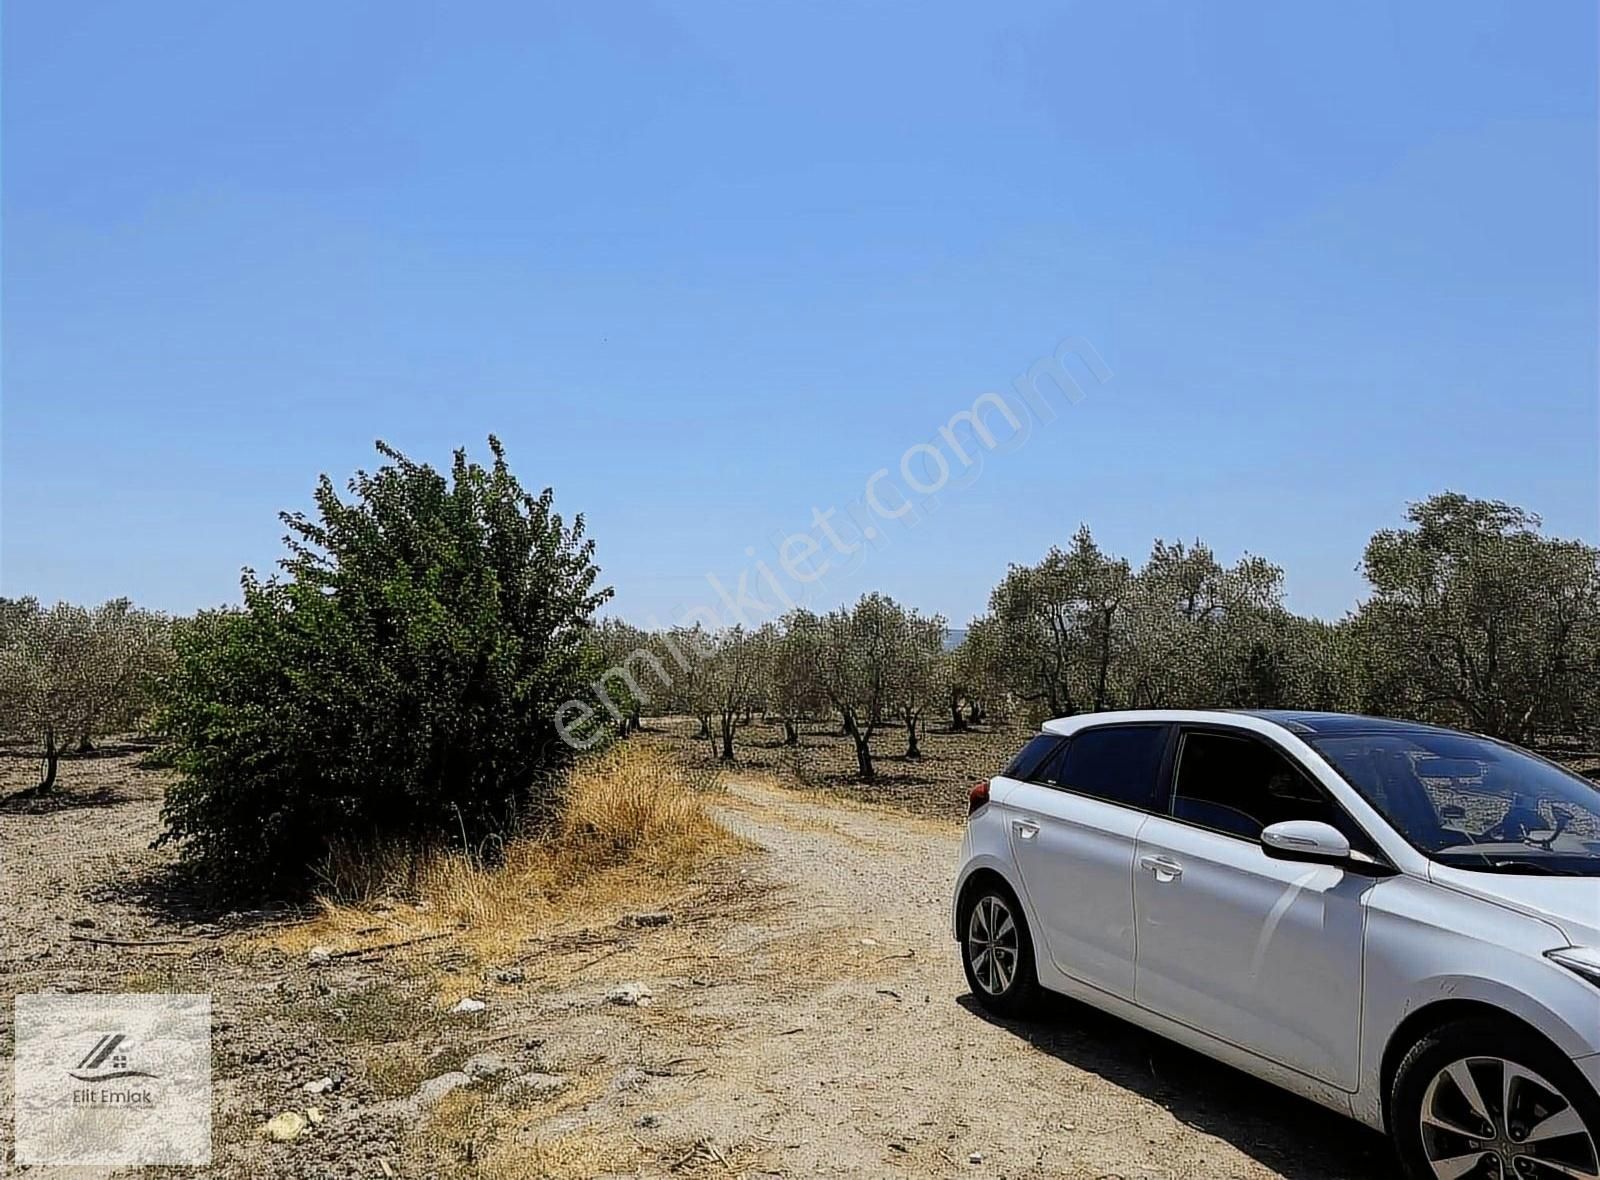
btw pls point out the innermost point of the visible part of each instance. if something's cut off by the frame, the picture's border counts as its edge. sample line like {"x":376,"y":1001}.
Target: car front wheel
{"x":997,"y":952}
{"x":1475,"y":1100}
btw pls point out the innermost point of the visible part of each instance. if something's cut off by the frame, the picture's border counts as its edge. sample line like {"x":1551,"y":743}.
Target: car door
{"x":1073,"y":828}
{"x":1263,"y":953}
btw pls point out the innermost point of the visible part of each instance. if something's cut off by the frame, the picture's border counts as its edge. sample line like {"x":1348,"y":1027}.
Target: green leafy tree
{"x":920,"y":673}
{"x":731,"y":674}
{"x":69,"y":675}
{"x":44,"y":670}
{"x":1477,"y":619}
{"x":793,"y":689}
{"x":402,"y":677}
{"x":856,"y":652}
{"x":1060,"y":625}
{"x":979,"y":674}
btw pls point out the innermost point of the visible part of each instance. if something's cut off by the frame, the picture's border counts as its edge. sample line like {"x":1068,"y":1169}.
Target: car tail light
{"x":978,"y":796}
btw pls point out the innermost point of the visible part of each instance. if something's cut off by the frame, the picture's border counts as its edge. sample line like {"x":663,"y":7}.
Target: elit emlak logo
{"x":109,"y":1060}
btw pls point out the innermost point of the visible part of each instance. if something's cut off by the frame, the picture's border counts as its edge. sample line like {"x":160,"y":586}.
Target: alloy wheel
{"x":1486,"y":1118}
{"x":992,"y":944}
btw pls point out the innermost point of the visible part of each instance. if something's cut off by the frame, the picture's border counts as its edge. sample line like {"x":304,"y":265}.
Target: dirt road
{"x":805,"y":1015}
{"x":884,"y":1064}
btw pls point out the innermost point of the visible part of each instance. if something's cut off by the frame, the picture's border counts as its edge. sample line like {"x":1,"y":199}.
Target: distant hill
{"x":953,"y":637}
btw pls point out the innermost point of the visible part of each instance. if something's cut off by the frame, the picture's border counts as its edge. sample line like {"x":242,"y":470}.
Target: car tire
{"x":1482,"y":1053}
{"x":997,"y":951}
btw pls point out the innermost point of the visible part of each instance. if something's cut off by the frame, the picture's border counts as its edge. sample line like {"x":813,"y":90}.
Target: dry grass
{"x":633,"y":827}
{"x":472,"y":1136}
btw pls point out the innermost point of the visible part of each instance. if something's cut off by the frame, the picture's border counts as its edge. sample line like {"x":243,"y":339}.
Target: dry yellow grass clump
{"x":633,"y":822}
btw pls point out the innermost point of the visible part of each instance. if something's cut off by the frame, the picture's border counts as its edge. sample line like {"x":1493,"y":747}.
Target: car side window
{"x":1117,"y":763}
{"x":1032,"y":757}
{"x":1239,"y":785}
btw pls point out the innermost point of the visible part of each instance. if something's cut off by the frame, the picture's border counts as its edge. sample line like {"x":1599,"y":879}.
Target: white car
{"x":1397,"y":921}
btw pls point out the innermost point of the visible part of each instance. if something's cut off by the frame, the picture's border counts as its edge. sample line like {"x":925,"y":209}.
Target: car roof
{"x":1301,"y":722}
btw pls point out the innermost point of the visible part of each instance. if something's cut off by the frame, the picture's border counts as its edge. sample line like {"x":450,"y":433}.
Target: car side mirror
{"x":1307,"y":840}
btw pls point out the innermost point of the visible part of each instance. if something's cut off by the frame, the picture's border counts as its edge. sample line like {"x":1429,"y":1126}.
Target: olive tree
{"x":1060,"y":625}
{"x":1477,"y":619}
{"x":733,"y":662}
{"x":69,"y":674}
{"x":920,"y":674}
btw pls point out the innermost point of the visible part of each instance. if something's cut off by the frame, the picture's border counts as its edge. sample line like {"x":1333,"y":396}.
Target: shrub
{"x":397,"y":681}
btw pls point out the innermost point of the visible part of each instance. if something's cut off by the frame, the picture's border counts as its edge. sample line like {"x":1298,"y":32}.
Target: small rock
{"x":314,"y":1115}
{"x":651,"y":918}
{"x":628,"y":1080}
{"x":318,"y":955}
{"x":509,"y":975}
{"x":975,"y":1158}
{"x":83,"y":923}
{"x":648,"y":1119}
{"x":431,"y":1091}
{"x":320,"y":1086}
{"x":630,"y":995}
{"x":488,"y":1067}
{"x":285,"y":1127}
{"x":469,"y":1005}
{"x":869,"y":942}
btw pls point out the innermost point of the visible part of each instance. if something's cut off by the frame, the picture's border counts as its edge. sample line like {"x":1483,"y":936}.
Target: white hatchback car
{"x":1397,"y":921}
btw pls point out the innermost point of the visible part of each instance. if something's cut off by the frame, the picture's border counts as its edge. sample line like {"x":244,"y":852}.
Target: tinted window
{"x":1474,"y":803}
{"x":1116,"y":763}
{"x":1025,"y":766}
{"x":1240,"y":785}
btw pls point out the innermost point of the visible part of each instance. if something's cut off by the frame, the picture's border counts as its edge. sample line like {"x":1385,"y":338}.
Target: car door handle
{"x":1164,"y":867}
{"x":1025,"y":828}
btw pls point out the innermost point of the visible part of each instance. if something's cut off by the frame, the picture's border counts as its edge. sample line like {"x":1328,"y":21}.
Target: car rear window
{"x":1117,"y":763}
{"x":1025,"y":766}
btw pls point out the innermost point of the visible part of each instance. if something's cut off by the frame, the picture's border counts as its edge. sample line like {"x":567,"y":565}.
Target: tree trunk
{"x":705,"y":726}
{"x":634,"y":720}
{"x":862,"y":742}
{"x":727,"y":737}
{"x":912,"y":749}
{"x":86,"y":744}
{"x":864,"y":760}
{"x":975,"y":713}
{"x":52,"y":756}
{"x":957,"y":721}
{"x":791,"y":735}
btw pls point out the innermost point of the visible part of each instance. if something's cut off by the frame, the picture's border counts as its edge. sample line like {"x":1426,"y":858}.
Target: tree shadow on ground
{"x":1296,"y":1138}
{"x":29,"y":802}
{"x":173,"y":895}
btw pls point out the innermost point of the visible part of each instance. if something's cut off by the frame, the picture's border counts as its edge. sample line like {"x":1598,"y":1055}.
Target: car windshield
{"x":1473,"y":803}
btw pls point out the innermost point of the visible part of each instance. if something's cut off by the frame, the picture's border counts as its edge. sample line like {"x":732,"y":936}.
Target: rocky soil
{"x":796,"y":1012}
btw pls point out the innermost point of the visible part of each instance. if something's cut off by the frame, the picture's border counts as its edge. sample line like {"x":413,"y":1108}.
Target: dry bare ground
{"x":804,"y":1015}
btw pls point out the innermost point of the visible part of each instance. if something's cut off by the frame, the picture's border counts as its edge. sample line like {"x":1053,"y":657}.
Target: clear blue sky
{"x":705,"y":268}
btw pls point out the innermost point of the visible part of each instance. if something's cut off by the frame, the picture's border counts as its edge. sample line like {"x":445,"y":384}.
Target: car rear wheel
{"x":1475,"y":1100}
{"x":997,"y":951}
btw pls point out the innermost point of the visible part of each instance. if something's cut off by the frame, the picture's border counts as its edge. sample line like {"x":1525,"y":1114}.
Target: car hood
{"x":1570,"y":903}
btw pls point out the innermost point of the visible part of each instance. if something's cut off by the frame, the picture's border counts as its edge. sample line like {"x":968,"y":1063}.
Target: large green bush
{"x":397,"y":679}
